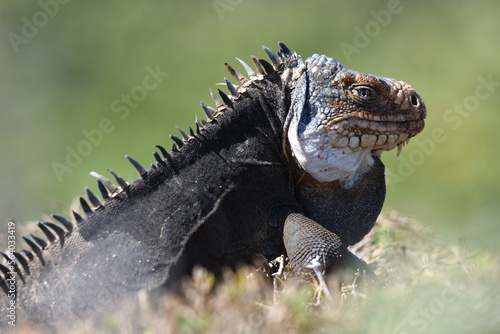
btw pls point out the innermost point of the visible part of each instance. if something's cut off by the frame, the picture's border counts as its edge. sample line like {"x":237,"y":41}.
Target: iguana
{"x":287,"y":163}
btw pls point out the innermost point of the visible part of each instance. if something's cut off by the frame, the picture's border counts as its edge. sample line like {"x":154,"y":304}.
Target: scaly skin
{"x":289,"y":158}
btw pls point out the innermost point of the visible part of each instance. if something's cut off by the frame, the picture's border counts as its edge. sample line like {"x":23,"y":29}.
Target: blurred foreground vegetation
{"x":69,"y":70}
{"x":426,"y":286}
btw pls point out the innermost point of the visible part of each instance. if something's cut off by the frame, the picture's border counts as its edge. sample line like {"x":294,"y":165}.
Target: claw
{"x":316,"y":266}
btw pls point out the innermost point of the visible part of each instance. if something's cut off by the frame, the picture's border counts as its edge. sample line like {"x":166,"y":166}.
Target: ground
{"x":427,"y":285}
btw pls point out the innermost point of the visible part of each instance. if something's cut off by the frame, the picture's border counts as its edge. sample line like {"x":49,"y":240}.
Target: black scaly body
{"x":229,"y":190}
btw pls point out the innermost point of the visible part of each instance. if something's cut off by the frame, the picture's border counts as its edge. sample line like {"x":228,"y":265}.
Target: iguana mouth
{"x":383,"y":135}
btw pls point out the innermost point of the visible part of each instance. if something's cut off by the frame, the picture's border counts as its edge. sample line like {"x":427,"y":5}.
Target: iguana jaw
{"x":375,"y":136}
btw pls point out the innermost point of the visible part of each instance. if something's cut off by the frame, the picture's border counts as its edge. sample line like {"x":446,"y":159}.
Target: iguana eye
{"x":363,"y":94}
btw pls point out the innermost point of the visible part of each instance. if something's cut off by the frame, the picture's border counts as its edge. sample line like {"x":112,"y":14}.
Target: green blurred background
{"x":63,"y":65}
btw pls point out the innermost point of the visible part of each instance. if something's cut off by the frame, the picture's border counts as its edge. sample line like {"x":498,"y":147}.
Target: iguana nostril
{"x":414,"y":100}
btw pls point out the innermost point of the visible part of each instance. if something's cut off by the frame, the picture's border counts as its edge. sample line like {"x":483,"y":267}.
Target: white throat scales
{"x":314,"y":153}
{"x":321,"y":152}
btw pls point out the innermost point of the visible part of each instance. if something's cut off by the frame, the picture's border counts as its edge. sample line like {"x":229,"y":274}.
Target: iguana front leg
{"x":335,"y":216}
{"x":305,"y":240}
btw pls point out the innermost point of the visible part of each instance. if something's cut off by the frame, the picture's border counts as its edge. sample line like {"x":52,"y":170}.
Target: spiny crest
{"x":53,"y":232}
{"x":224,"y":101}
{"x":262,"y":68}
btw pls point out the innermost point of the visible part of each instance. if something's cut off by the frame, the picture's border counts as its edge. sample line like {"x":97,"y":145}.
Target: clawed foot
{"x":316,"y":266}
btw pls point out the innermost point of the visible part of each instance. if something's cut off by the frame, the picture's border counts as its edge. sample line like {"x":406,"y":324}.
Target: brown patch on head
{"x":386,"y":111}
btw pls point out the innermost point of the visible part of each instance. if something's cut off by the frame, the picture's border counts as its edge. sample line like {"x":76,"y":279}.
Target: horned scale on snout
{"x":288,"y":162}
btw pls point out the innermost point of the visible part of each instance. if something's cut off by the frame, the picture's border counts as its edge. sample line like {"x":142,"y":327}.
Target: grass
{"x":426,"y":286}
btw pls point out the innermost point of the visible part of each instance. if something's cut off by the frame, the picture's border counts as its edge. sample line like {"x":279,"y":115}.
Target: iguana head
{"x":340,"y":118}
